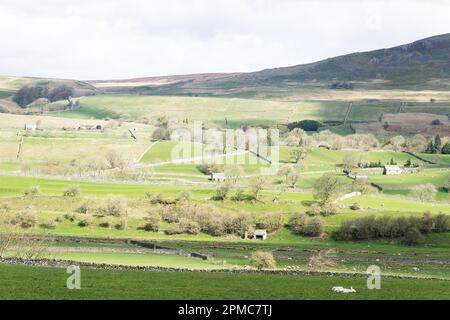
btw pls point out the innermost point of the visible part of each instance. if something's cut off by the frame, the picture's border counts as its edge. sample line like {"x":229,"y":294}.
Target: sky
{"x":119,"y":39}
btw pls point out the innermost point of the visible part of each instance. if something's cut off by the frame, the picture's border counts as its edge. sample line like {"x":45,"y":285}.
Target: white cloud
{"x":117,"y":39}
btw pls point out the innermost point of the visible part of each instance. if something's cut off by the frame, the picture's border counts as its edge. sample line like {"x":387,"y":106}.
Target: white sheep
{"x":343,"y":290}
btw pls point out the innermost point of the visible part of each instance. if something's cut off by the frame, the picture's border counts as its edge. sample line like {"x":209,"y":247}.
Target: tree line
{"x":29,"y":94}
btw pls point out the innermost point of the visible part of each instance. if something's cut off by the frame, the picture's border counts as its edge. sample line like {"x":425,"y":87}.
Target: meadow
{"x":24,"y":282}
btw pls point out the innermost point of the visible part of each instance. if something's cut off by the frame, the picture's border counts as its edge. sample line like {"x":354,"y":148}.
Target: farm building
{"x":87,"y":127}
{"x":218,"y":176}
{"x":260,"y":235}
{"x":392,"y":170}
{"x":30,"y":127}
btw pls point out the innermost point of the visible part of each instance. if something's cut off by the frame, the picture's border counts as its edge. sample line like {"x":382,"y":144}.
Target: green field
{"x":23,"y":282}
{"x":110,"y":162}
{"x":336,"y":157}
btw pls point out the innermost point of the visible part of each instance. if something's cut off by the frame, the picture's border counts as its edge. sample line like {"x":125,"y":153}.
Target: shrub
{"x":355,"y":207}
{"x":364,"y":188}
{"x":424,"y":192}
{"x":269,"y":221}
{"x":158,"y":198}
{"x":262,"y":260}
{"x":412,"y":237}
{"x":184,"y":196}
{"x":106,"y":222}
{"x":328,"y":209}
{"x":32,"y":191}
{"x":161,"y":134}
{"x":85,"y":207}
{"x":25,"y":220}
{"x":153,"y":221}
{"x":115,"y":206}
{"x":367,"y":228}
{"x":115,"y":160}
{"x":122,"y":225}
{"x":303,"y":225}
{"x":70,"y":216}
{"x":72,"y":191}
{"x":314,"y":210}
{"x":173,"y":231}
{"x":240,"y":224}
{"x":85,"y":222}
{"x":50,"y":224}
{"x":152,"y":226}
{"x":208,"y":168}
{"x":222,"y":191}
{"x":169,"y":214}
{"x":188,"y":226}
{"x":442,"y":222}
{"x":214,"y":226}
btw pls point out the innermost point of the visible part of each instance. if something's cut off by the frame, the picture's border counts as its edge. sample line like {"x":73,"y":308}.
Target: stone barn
{"x":392,"y":170}
{"x":260,"y":234}
{"x":217,"y":177}
{"x":30,"y":127}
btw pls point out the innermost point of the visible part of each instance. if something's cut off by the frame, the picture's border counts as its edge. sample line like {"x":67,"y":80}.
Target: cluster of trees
{"x":419,"y":143}
{"x":435,"y":146}
{"x":112,"y":165}
{"x":28,"y":94}
{"x":424,"y":192}
{"x":21,"y":245}
{"x":409,"y":230}
{"x":330,"y":140}
{"x":187,"y":218}
{"x":306,"y":125}
{"x":224,"y":189}
{"x":307,"y":226}
{"x":297,"y":137}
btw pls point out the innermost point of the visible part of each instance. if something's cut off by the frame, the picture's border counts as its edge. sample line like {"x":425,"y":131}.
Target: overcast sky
{"x":104,"y":39}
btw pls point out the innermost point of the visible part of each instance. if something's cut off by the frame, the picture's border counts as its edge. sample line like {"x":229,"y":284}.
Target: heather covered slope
{"x":424,"y":64}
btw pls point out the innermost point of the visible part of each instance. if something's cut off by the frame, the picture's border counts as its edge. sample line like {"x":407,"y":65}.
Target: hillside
{"x":423,"y":64}
{"x":9,"y":85}
{"x":419,"y":62}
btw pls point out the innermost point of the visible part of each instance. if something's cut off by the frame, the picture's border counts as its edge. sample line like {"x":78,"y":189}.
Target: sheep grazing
{"x":343,"y":290}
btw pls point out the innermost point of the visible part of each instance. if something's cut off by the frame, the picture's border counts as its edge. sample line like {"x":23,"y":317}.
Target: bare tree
{"x":258,"y":185}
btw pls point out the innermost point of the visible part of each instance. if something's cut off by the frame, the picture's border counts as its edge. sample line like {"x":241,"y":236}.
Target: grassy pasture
{"x":24,"y":282}
{"x":443,"y":159}
{"x":212,"y":111}
{"x":51,"y":205}
{"x":66,"y":149}
{"x":336,"y":157}
{"x":438,"y":177}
